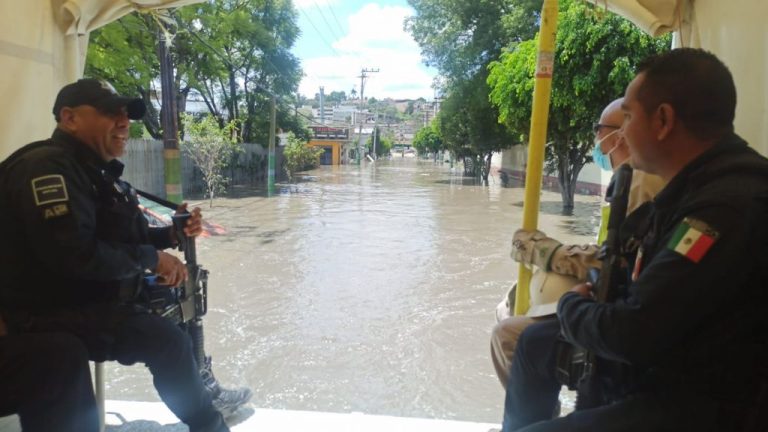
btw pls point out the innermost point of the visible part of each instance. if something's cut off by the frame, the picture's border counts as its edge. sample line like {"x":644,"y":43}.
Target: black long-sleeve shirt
{"x":691,"y":318}
{"x":71,"y":231}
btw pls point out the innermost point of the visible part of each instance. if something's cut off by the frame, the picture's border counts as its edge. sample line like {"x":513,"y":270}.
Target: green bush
{"x":299,"y":156}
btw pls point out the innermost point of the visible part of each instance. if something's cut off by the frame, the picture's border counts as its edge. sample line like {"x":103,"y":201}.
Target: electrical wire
{"x":327,"y":24}
{"x":341,"y":29}
{"x":319,"y":33}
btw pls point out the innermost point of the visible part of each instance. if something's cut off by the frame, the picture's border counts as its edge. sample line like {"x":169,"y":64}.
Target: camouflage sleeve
{"x":535,"y":248}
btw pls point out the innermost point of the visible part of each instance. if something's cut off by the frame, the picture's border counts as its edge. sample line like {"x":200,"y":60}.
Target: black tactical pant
{"x":46,"y":380}
{"x":533,"y":388}
{"x":131,"y":335}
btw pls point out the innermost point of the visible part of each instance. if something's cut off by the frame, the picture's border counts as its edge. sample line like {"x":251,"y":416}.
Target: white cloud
{"x":376,"y":40}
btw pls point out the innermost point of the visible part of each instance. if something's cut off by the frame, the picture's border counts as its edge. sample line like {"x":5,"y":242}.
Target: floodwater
{"x":364,"y":289}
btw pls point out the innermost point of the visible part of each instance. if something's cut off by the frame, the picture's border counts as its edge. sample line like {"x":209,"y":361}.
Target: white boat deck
{"x":123,"y":416}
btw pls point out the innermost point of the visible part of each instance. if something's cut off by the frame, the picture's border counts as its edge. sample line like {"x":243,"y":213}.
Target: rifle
{"x":186,"y":304}
{"x":575,"y":365}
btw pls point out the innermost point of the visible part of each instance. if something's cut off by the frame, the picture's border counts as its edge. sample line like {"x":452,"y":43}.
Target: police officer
{"x":75,"y":247}
{"x":690,"y":328}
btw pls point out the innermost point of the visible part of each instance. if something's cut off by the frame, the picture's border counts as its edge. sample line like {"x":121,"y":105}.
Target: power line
{"x":322,"y":15}
{"x":319,"y":33}
{"x":328,"y":5}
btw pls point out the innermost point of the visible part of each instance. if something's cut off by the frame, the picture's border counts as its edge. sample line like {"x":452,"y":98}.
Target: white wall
{"x":514,"y":159}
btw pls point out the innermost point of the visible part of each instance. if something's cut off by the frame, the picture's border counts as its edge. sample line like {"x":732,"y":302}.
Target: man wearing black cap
{"x":75,"y":248}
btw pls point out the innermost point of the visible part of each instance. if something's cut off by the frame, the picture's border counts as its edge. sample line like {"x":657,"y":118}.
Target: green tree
{"x":229,"y":52}
{"x":469,"y":127}
{"x":123,"y":53}
{"x":595,"y":58}
{"x":236,"y":52}
{"x":210,"y":148}
{"x":460,"y":39}
{"x":334,"y":98}
{"x":428,"y":140}
{"x":383,"y":143}
{"x":299,"y":156}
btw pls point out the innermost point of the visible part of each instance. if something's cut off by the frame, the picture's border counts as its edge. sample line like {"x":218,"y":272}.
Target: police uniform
{"x":690,"y":321}
{"x":75,"y":247}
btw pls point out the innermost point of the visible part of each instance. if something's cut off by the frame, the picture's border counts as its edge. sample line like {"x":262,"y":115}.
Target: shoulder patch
{"x":692,"y":239}
{"x":55,"y":211}
{"x":49,"y":189}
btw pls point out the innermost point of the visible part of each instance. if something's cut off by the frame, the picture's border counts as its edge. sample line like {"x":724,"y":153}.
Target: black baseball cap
{"x":100,"y":95}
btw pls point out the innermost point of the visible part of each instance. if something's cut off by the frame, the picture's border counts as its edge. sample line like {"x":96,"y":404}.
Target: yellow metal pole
{"x":537,"y":139}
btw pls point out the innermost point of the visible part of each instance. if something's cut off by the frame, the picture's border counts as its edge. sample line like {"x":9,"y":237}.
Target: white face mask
{"x":603,"y":160}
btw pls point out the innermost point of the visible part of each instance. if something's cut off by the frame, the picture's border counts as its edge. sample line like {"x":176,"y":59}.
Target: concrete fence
{"x":144,"y":167}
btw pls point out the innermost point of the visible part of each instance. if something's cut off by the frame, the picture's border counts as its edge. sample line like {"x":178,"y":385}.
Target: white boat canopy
{"x":734,"y":30}
{"x":43,"y":44}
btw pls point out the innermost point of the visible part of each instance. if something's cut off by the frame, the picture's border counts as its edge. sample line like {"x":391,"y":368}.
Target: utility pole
{"x":375,"y":132}
{"x":362,"y":77}
{"x":296,"y":108}
{"x":322,"y":105}
{"x":271,"y":160}
{"x":168,"y":120}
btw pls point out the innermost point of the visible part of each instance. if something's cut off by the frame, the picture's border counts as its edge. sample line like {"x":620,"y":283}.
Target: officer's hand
{"x":170,"y":270}
{"x":583,"y":289}
{"x":195,"y":222}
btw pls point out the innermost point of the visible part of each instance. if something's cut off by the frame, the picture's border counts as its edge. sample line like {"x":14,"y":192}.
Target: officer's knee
{"x":151,"y":339}
{"x":535,"y":338}
{"x":171,"y":340}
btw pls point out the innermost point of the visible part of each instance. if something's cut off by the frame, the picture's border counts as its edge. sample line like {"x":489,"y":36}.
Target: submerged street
{"x":364,"y":289}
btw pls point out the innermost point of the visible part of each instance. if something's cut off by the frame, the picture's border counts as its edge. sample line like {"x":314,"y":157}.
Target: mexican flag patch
{"x":692,"y":239}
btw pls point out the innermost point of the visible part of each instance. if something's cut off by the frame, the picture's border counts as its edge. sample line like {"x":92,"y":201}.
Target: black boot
{"x":225,"y":400}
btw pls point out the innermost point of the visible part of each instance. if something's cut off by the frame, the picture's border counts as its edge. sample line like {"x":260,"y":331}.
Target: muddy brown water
{"x":366,"y":289}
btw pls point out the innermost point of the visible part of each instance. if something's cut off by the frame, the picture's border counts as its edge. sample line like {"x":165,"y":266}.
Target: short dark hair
{"x":696,"y":84}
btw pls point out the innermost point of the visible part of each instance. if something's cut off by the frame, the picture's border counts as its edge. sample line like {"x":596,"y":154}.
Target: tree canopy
{"x":469,"y":125}
{"x":229,"y":53}
{"x":428,"y":139}
{"x":460,"y":39}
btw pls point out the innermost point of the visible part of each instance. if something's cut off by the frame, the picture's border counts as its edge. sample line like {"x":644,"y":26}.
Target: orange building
{"x":331,"y":140}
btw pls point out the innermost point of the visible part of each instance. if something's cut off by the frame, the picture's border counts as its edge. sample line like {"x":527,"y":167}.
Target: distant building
{"x":332,"y":140}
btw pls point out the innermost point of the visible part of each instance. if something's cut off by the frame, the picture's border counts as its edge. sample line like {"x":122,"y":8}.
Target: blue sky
{"x":340,"y":37}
